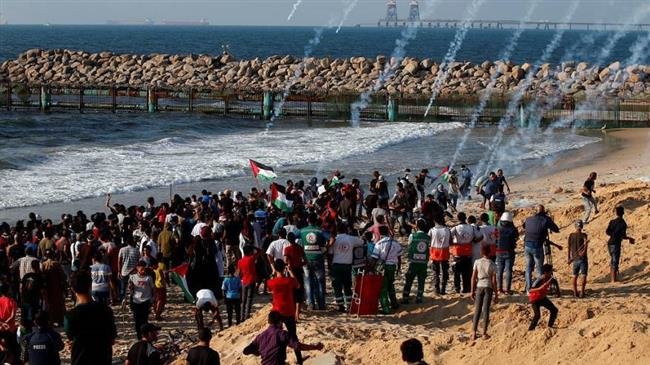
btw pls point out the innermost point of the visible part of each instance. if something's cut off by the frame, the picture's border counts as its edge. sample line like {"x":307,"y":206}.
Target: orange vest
{"x":439,"y":254}
{"x":462,"y":250}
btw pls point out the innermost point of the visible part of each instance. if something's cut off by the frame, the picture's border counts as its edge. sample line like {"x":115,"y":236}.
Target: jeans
{"x":505,"y":262}
{"x":588,"y":202}
{"x":534,"y":260}
{"x":462,"y":271}
{"x":546,"y":303}
{"x":100,"y":296}
{"x":388,"y":299}
{"x":440,"y":271}
{"x":315,"y":283}
{"x":140,"y":315}
{"x":342,"y":283}
{"x":615,"y":255}
{"x":453,"y":199}
{"x":248,"y":292}
{"x":482,"y":303}
{"x":124,"y":284}
{"x":418,"y":270}
{"x":233,"y":305}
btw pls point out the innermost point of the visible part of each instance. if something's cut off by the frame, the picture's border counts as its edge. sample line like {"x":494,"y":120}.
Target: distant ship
{"x":146,"y":21}
{"x":185,"y":22}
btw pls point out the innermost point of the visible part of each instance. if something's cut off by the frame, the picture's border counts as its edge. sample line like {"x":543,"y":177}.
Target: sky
{"x":308,"y":13}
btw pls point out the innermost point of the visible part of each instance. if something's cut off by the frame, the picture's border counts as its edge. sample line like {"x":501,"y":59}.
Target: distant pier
{"x":505,"y":24}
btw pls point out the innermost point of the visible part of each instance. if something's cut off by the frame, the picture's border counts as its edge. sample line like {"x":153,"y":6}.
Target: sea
{"x":63,"y":162}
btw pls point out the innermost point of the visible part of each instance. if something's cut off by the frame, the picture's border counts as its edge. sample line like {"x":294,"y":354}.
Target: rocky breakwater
{"x":319,"y":75}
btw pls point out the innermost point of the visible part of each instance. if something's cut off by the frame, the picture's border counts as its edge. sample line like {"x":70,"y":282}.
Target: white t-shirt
{"x":276,"y":248}
{"x":440,"y":236}
{"x":387,"y":250}
{"x":343,"y":248}
{"x":205,"y":296}
{"x":196,"y":231}
{"x":464,"y":233}
{"x":484,"y":268}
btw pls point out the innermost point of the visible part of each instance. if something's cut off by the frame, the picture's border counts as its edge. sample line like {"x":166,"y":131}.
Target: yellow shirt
{"x":160,"y":275}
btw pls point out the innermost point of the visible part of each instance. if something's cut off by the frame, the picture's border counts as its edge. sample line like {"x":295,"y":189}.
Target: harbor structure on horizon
{"x":414,"y":11}
{"x":391,"y":11}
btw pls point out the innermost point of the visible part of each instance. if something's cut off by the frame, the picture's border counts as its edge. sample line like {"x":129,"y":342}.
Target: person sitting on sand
{"x":577,"y":255}
{"x":412,"y":353}
{"x":538,"y":298}
{"x":484,"y":283}
{"x":617,"y":232}
{"x":271,"y":345}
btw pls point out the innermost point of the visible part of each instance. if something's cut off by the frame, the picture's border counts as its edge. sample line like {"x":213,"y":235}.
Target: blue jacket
{"x":537,"y":228}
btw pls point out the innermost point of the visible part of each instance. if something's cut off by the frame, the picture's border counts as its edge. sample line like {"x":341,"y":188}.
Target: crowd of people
{"x":238,"y":246}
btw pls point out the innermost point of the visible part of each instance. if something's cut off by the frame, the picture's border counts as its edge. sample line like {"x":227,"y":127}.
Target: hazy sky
{"x":310,"y":12}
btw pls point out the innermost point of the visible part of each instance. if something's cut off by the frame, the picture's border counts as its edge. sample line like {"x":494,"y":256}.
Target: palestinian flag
{"x":335,"y":181}
{"x":178,"y":274}
{"x":444,"y":173}
{"x":279,"y":198}
{"x":262,"y":172}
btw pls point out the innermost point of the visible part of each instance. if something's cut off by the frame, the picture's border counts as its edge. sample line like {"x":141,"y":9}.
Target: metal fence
{"x":235,"y":103}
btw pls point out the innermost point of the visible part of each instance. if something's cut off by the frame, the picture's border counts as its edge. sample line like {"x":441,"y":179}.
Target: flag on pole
{"x":335,"y":181}
{"x":279,"y":198}
{"x":444,"y":173}
{"x":261,"y":171}
{"x":178,"y":275}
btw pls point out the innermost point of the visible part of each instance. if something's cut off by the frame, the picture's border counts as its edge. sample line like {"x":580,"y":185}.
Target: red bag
{"x":365,"y":300}
{"x":538,"y":294}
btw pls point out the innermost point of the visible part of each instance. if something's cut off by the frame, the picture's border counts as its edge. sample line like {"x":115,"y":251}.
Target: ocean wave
{"x":76,"y":172}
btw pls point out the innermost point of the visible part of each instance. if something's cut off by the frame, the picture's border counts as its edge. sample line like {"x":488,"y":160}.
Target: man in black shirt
{"x":588,"y":199}
{"x":203,"y":354}
{"x":143,"y":352}
{"x":89,"y":325}
{"x":617,"y":232}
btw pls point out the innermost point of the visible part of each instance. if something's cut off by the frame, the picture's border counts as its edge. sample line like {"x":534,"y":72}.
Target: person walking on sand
{"x":617,"y":232}
{"x":418,"y":260}
{"x":466,"y":185}
{"x":577,"y":255}
{"x":506,"y":243}
{"x":484,"y":283}
{"x":439,"y":254}
{"x":464,"y":236}
{"x":342,"y":246}
{"x":588,"y":199}
{"x":388,"y":254}
{"x":538,"y":297}
{"x":536,"y":230}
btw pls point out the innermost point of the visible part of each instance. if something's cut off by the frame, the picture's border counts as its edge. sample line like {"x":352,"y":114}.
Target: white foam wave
{"x":73,"y":173}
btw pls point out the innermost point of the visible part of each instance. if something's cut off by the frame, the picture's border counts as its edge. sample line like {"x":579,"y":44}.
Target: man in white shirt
{"x":276,"y":248}
{"x":464,"y":236}
{"x":206,"y":302}
{"x":439,"y":254}
{"x":389,"y":252}
{"x":342,"y":248}
{"x":490,"y":235}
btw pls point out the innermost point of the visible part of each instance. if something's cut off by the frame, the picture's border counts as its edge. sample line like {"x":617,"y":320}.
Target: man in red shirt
{"x":8,"y":327}
{"x":248,"y":274}
{"x":294,"y":256}
{"x":282,"y":287}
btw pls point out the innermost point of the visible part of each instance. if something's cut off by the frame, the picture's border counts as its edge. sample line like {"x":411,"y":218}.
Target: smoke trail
{"x":489,"y":89}
{"x":407,"y":35}
{"x":514,"y":102}
{"x":346,"y":12}
{"x":450,"y":56}
{"x":296,"y":5}
{"x":309,"y":49}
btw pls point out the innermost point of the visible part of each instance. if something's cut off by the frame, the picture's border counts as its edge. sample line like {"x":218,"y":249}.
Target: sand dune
{"x":611,"y":324}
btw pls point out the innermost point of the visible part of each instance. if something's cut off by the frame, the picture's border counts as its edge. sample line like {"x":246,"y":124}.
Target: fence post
{"x":81,"y":100}
{"x":392,"y":109}
{"x":190,"y":100}
{"x":46,"y":99}
{"x":309,"y":107}
{"x":114,"y":99}
{"x":152,"y":100}
{"x":226,"y":104}
{"x":9,"y":99}
{"x":267,"y":106}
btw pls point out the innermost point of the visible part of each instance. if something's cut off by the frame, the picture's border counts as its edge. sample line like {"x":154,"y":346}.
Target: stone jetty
{"x":411,"y":76}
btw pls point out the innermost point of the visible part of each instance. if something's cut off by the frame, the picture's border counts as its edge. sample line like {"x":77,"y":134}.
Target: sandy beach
{"x":610,"y":324}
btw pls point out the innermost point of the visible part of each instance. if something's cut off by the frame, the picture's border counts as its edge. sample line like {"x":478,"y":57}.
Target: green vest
{"x":419,"y":248}
{"x":313,"y":242}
